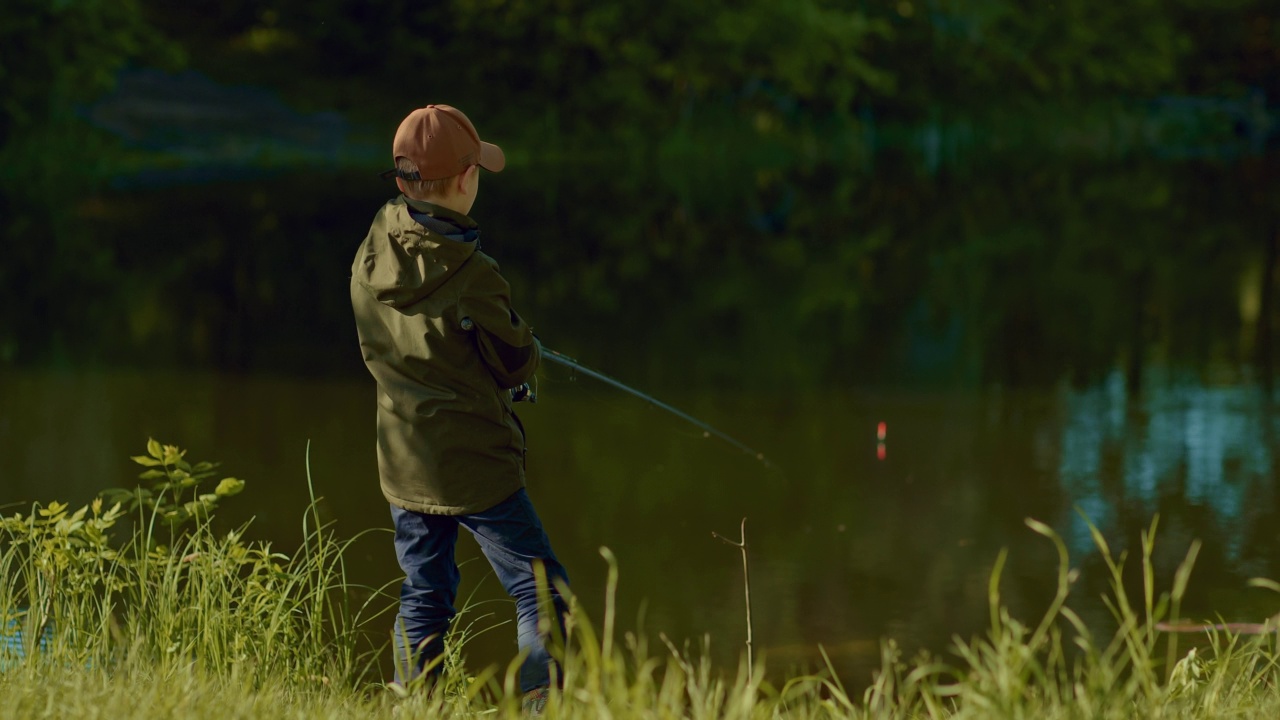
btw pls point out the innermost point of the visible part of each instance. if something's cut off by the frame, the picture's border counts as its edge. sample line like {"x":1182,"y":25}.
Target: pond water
{"x":1044,"y":343}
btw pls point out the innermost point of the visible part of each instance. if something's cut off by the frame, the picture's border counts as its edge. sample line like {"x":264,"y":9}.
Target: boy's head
{"x":438,"y":157}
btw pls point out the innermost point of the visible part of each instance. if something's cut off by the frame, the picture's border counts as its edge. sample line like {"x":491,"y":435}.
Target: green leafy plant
{"x":177,"y":492}
{"x":172,"y":588}
{"x":52,"y":557}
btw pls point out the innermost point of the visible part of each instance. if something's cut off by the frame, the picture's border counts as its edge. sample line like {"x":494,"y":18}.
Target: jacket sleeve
{"x":505,"y":341}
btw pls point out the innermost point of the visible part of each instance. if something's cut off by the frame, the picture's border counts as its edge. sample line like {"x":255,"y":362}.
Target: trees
{"x":54,"y":58}
{"x":629,"y":67}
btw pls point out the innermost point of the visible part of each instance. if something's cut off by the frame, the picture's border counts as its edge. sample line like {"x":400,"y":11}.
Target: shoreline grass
{"x":207,"y":625}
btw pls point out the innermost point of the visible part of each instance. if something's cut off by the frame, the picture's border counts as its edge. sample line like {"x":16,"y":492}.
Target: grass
{"x":181,"y":622}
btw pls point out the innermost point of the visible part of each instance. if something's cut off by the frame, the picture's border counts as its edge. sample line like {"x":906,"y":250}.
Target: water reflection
{"x":1184,"y":446}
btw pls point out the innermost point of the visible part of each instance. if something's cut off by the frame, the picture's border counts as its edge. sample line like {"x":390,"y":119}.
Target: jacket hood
{"x":412,"y":249}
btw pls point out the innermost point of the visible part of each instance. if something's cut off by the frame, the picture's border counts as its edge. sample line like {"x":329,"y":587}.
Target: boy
{"x":449,"y":354}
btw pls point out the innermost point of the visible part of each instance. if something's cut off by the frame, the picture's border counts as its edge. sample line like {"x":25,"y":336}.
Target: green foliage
{"x":638,"y":66}
{"x":979,"y":58}
{"x":174,"y":494}
{"x":189,"y":595}
{"x":553,"y":76}
{"x":1053,"y":667}
{"x":56,"y":57}
{"x":719,"y":95}
{"x":1067,"y":48}
{"x":549,"y":69}
{"x":66,"y":552}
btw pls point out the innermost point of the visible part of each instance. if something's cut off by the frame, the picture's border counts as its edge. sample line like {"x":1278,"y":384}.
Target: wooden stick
{"x":746,"y":583}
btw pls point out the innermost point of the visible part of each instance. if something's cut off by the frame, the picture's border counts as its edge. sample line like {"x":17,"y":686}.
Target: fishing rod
{"x":525,"y":393}
{"x":576,"y":366}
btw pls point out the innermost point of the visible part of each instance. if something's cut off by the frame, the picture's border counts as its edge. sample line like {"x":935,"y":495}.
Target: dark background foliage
{"x":873,"y":164}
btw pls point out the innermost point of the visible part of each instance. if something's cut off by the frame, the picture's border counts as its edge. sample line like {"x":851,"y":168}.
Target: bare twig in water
{"x":746,"y":583}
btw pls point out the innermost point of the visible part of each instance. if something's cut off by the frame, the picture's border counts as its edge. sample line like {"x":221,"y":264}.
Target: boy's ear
{"x":400,"y":184}
{"x":461,"y":184}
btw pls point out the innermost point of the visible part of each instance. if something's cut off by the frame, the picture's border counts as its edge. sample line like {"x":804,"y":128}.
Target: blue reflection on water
{"x":1181,"y":441}
{"x":13,"y":646}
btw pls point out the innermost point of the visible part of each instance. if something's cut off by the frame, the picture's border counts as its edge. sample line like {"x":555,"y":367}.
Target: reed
{"x":182,"y":622}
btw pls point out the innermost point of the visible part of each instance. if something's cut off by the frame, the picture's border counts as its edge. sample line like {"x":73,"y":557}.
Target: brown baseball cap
{"x":442,"y":142}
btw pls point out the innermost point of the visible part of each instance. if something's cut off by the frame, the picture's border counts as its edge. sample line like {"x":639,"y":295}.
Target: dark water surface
{"x":1033,"y":341}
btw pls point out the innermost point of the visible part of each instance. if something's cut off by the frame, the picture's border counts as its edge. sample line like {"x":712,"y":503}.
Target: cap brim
{"x":492,"y":157}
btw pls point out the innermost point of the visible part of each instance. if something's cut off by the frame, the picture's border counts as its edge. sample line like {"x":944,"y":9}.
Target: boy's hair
{"x":422,"y":189}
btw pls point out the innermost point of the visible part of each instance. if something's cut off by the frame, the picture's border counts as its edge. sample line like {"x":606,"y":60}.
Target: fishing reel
{"x":524,"y":393}
{"x":520,"y":393}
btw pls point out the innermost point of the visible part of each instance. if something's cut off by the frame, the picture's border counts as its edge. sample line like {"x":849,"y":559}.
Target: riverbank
{"x":1005,"y":679}
{"x":181,"y":621}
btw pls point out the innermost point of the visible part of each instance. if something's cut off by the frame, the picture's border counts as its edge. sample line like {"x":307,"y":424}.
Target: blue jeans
{"x":512,"y":538}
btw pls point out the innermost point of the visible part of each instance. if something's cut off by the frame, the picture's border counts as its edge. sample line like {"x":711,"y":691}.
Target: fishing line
{"x":707,"y":429}
{"x":525,"y":392}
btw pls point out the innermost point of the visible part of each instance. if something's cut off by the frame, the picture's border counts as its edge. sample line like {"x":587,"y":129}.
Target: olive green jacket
{"x":448,"y":440}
